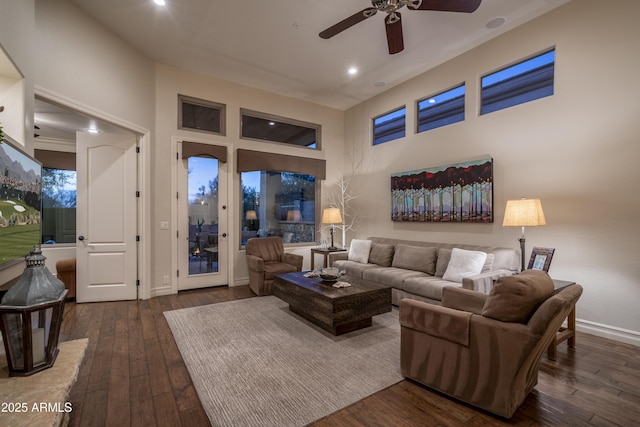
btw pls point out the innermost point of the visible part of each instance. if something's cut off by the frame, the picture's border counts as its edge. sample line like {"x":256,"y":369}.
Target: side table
{"x":325,"y":253}
{"x":564,"y":334}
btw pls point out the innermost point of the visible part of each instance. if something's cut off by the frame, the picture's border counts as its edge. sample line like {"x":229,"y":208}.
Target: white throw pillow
{"x":464,"y":263}
{"x":359,"y":250}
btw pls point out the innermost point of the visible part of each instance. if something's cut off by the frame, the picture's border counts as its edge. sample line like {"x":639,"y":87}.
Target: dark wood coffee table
{"x":336,"y":310}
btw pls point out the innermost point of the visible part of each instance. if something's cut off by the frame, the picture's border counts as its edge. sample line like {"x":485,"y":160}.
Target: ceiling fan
{"x":393,"y":20}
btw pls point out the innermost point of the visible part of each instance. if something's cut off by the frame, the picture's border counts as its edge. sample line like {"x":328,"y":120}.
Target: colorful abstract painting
{"x":461,"y":192}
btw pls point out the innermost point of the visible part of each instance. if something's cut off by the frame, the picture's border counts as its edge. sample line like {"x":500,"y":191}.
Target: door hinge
{"x":177,"y":234}
{"x":177,"y":195}
{"x":177,"y":156}
{"x":177,"y":273}
{"x":137,"y":238}
{"x":137,"y":194}
{"x":137,"y":149}
{"x":138,"y":282}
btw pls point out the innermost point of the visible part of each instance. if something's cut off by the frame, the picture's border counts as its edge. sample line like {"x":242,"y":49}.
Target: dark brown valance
{"x":249,"y":160}
{"x":192,"y":149}
{"x":56,"y":159}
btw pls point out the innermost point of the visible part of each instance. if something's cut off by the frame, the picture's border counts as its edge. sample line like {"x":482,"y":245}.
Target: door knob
{"x":224,"y":234}
{"x":81,"y":238}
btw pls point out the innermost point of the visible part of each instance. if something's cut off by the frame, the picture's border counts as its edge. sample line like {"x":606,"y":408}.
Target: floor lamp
{"x":331,"y":216}
{"x":523,"y":213}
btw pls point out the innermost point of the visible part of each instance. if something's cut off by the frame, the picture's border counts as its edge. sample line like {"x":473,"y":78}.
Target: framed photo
{"x":541,"y":259}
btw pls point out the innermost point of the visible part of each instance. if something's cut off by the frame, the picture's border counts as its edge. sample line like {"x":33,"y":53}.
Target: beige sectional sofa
{"x":420,"y":270}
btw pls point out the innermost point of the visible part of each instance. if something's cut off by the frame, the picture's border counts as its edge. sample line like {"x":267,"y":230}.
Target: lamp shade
{"x":331,"y":216}
{"x":251,"y":215}
{"x":523,"y":213}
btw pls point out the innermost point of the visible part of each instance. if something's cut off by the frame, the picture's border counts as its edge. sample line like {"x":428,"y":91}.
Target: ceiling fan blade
{"x":466,"y":6}
{"x":348,"y":23}
{"x":393,"y":25}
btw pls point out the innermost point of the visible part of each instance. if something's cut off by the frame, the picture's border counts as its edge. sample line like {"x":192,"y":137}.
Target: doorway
{"x":202,"y":221}
{"x":57,"y":120}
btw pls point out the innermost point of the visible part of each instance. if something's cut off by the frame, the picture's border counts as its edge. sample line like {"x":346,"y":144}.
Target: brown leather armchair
{"x":266,"y":258}
{"x":484,"y":349}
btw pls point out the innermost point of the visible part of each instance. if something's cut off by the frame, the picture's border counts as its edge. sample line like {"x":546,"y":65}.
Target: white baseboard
{"x":161,"y":291}
{"x":610,"y":332}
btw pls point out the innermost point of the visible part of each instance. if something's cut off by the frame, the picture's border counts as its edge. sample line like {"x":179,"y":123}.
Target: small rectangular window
{"x":58,"y":206}
{"x":389,"y":126}
{"x":200,"y":115}
{"x":442,"y":109}
{"x":265,"y":127}
{"x":523,"y":82}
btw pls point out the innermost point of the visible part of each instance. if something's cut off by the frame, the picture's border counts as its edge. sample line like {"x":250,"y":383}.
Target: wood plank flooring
{"x":134,"y":375}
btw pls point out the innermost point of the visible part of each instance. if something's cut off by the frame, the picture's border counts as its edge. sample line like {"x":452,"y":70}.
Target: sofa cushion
{"x":444,"y":255}
{"x":381,"y":254}
{"x":359,"y":250}
{"x":390,"y":276}
{"x":427,"y":286}
{"x":464,"y":263}
{"x":415,"y":258}
{"x":515,"y":298}
{"x":353,"y":268}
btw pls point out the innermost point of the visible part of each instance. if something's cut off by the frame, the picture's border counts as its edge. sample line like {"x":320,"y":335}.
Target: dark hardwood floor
{"x":133,"y":374}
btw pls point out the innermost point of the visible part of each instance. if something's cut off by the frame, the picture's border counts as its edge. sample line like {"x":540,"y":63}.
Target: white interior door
{"x":202,"y":222}
{"x":106,"y":217}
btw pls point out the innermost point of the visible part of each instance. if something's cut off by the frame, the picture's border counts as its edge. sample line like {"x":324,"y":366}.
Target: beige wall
{"x":80,"y":60}
{"x":576,"y":150}
{"x":169,"y":83}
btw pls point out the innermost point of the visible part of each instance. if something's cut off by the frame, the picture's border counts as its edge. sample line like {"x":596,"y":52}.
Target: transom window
{"x":201,"y":115}
{"x":523,"y":82}
{"x":390,"y":126}
{"x":442,"y":109}
{"x":265,"y":127}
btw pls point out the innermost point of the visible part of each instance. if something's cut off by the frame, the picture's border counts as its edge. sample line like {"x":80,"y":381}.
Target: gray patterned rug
{"x":253,"y":363}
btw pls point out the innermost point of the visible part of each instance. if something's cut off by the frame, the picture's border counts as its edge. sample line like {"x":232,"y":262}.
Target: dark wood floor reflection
{"x":133,"y":374}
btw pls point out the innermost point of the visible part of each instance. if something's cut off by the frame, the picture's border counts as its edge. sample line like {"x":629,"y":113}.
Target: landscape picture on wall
{"x":461,"y":192}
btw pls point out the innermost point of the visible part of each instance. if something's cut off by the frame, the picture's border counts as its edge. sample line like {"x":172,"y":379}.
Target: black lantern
{"x":31,"y":316}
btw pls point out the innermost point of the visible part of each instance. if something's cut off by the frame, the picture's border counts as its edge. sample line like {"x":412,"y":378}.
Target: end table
{"x":564,"y":334}
{"x":325,"y":253}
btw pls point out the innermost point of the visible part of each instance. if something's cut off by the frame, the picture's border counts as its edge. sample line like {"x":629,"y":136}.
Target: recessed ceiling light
{"x":92,"y":130}
{"x":353,"y":70}
{"x":160,"y":2}
{"x":496,"y":22}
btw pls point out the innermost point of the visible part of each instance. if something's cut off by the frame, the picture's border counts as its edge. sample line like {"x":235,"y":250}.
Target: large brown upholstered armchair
{"x":266,"y":258}
{"x":485,"y":349}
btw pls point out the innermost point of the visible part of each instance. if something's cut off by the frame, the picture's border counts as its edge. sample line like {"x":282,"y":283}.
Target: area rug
{"x":41,"y":399}
{"x":254,"y":363}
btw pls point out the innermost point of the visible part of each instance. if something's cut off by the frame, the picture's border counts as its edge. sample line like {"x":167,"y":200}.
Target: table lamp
{"x":331,"y":216}
{"x":523,"y":213}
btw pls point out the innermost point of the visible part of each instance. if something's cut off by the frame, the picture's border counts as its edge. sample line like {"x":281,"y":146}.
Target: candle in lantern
{"x":37,"y":343}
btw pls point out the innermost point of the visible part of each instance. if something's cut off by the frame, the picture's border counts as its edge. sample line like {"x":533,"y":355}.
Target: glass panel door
{"x":202,"y":185}
{"x":202,"y":222}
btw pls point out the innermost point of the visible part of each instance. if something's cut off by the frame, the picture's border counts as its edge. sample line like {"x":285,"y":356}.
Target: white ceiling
{"x":274,"y":45}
